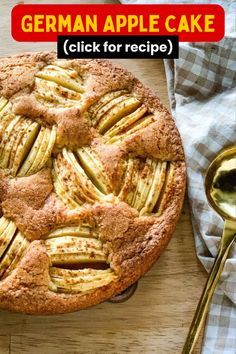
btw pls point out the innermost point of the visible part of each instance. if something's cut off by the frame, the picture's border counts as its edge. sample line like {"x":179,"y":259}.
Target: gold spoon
{"x":220,"y":187}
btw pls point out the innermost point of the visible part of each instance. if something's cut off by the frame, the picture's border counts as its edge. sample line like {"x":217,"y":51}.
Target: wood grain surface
{"x":156,"y":319}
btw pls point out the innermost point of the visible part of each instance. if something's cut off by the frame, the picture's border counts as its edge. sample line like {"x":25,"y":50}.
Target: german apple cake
{"x":92,"y":179}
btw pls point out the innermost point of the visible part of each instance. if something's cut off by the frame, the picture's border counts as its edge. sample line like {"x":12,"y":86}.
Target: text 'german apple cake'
{"x":92,"y":179}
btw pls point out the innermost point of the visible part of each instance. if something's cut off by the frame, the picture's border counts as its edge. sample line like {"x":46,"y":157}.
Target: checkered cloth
{"x":202,"y":90}
{"x":202,"y":87}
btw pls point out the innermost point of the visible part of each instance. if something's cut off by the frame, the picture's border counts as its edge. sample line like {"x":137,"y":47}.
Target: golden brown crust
{"x":133,"y":242}
{"x":17,"y":72}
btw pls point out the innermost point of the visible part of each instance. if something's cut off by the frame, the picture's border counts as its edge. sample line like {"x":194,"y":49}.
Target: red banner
{"x":43,"y":23}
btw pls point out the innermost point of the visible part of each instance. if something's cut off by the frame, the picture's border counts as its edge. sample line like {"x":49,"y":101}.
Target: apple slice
{"x":90,"y":192}
{"x":3,"y":103}
{"x":14,"y":140}
{"x":52,"y":93}
{"x":127,"y":121}
{"x":6,"y":116}
{"x":8,"y":142}
{"x":166,"y":188}
{"x":94,"y":169}
{"x":21,"y":244}
{"x":77,"y":184}
{"x":3,"y":224}
{"x":7,"y":231}
{"x":69,"y":180}
{"x":75,"y":276}
{"x":81,"y":280}
{"x":72,"y":250}
{"x":64,"y":177}
{"x":72,"y":243}
{"x":31,"y":161}
{"x":13,"y":254}
{"x":62,"y":192}
{"x":5,"y":108}
{"x":140,"y":124}
{"x":107,"y":106}
{"x":19,"y":132}
{"x":69,"y":71}
{"x":129,"y":181}
{"x":49,"y":149}
{"x":42,"y":148}
{"x":24,"y":147}
{"x":144,"y":184}
{"x":120,"y":110}
{"x":156,"y":187}
{"x":83,"y":230}
{"x":93,"y":110}
{"x":64,"y":77}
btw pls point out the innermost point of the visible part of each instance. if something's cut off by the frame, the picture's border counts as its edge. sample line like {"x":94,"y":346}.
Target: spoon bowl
{"x":220,"y":184}
{"x":220,"y":188}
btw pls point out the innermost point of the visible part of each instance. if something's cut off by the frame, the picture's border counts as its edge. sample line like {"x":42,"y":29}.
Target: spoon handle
{"x":227,"y":239}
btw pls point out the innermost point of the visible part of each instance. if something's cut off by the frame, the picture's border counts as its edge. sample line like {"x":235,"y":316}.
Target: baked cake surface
{"x":92,"y":179}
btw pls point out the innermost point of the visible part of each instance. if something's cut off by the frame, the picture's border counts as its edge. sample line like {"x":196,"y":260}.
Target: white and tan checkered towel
{"x":202,"y":90}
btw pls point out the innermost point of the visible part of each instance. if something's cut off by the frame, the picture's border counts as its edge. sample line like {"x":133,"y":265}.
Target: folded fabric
{"x":202,"y":90}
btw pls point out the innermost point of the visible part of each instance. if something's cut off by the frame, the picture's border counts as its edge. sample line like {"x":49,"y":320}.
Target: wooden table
{"x":157,"y":317}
